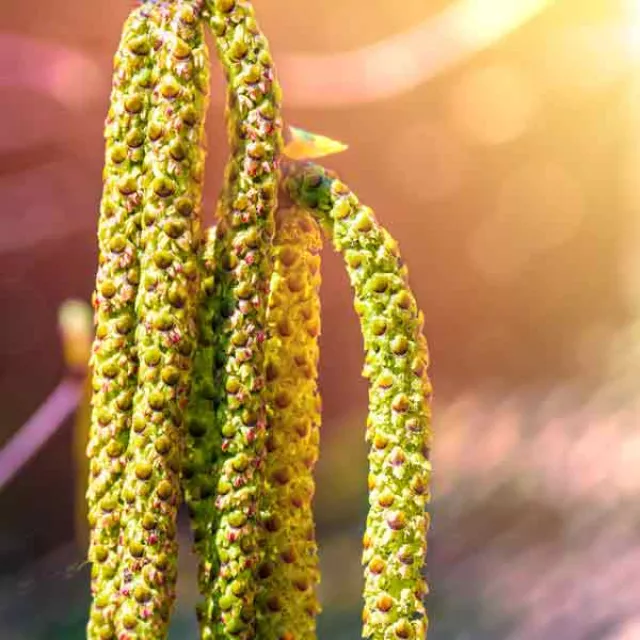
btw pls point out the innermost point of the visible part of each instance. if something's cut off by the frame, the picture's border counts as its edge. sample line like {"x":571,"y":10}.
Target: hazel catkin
{"x":398,"y":427}
{"x":164,"y":331}
{"x":243,"y":266}
{"x":293,"y":421}
{"x":114,"y":360}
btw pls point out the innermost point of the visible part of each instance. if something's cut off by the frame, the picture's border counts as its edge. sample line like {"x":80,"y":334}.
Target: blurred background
{"x":499,"y":141}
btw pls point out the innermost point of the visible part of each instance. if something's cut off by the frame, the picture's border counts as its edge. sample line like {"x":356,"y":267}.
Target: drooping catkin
{"x":202,"y":437}
{"x":398,"y":427}
{"x":245,"y":230}
{"x":289,"y":572}
{"x":114,"y":361}
{"x":166,"y":322}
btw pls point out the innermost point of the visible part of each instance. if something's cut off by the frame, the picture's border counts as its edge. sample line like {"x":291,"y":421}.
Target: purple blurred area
{"x":511,"y":184}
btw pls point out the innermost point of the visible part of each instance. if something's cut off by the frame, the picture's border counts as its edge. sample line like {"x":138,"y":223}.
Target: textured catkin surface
{"x":114,"y":361}
{"x":166,"y":322}
{"x":202,"y":438}
{"x":398,"y":429}
{"x":245,"y":230}
{"x":289,"y":572}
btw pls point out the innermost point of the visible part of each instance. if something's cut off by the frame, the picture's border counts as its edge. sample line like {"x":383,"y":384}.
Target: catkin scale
{"x":114,"y":362}
{"x":289,"y":573}
{"x":166,"y":323}
{"x":245,"y":230}
{"x":398,"y":426}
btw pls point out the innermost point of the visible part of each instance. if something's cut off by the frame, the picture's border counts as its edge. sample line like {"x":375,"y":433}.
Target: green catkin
{"x":202,"y":438}
{"x":398,"y":427}
{"x":243,"y":267}
{"x":166,"y":323}
{"x":289,"y":573}
{"x":114,"y":362}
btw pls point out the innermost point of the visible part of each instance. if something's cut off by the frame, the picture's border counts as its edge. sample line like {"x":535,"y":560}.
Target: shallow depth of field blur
{"x":499,"y":141}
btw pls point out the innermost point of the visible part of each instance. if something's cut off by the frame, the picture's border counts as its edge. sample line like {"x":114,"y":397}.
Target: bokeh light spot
{"x":75,"y":80}
{"x":483,"y":21}
{"x":539,"y":207}
{"x":429,"y":161}
{"x":630,"y":630}
{"x":493,"y":105}
{"x":583,"y":59}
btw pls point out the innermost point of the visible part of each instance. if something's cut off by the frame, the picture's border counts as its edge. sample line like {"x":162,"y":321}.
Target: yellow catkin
{"x":289,"y":573}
